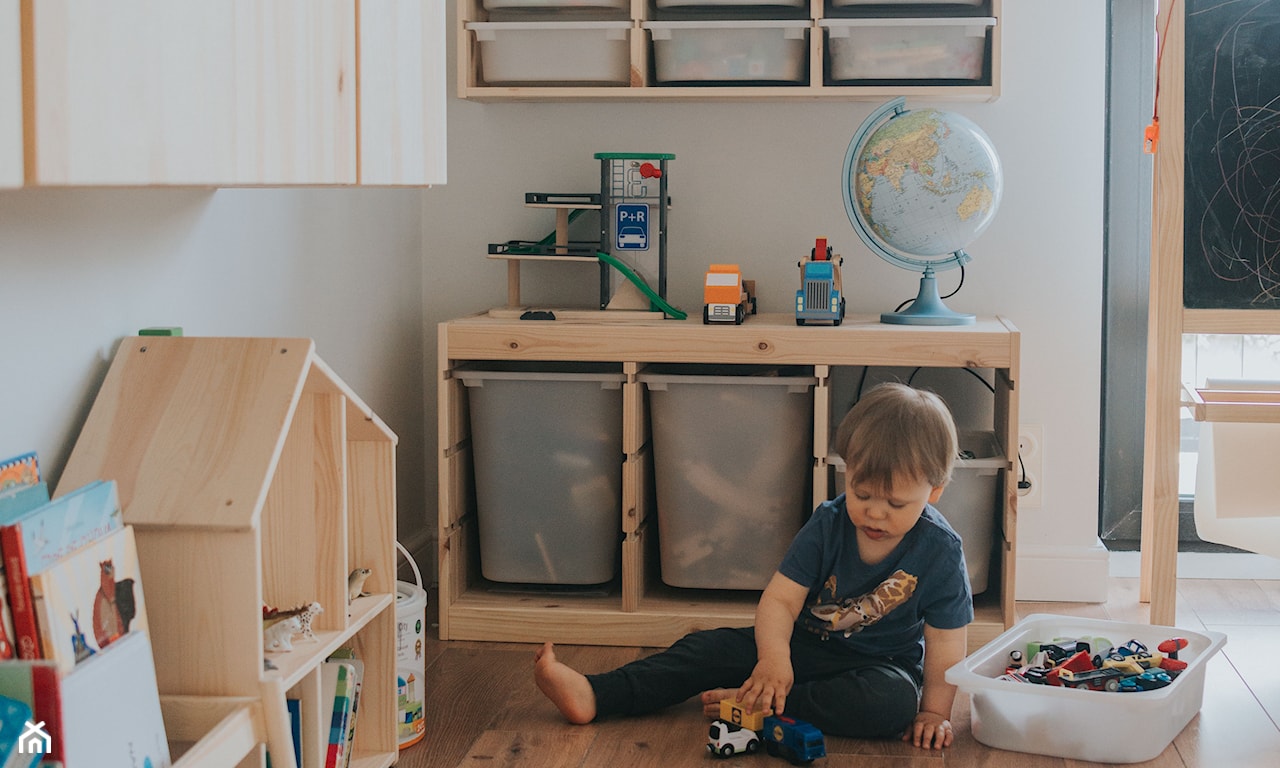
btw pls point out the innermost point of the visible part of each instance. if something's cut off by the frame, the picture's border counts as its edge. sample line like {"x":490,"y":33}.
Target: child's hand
{"x":930,"y":731}
{"x":767,"y":688}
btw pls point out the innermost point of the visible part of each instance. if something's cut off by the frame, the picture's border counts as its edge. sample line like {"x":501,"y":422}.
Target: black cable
{"x":990,"y":387}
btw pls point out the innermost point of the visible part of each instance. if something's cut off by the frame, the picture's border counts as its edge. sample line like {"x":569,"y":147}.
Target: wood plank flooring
{"x":483,"y":710}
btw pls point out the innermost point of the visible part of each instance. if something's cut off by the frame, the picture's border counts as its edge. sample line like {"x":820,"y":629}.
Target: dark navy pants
{"x":840,"y":693}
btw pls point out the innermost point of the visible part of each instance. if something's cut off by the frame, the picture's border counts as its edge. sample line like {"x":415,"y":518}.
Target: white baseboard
{"x":1204,"y":565}
{"x":1062,"y":574}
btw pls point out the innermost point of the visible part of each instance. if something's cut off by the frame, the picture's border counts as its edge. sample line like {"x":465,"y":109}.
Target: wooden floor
{"x":482,"y":708}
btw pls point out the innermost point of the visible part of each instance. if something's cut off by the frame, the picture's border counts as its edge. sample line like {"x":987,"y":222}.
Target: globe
{"x":919,"y":186}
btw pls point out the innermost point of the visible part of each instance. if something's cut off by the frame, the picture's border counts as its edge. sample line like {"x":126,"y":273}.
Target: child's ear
{"x":936,"y":494}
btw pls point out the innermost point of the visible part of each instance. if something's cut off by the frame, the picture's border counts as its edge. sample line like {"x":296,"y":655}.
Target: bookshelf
{"x":252,"y":475}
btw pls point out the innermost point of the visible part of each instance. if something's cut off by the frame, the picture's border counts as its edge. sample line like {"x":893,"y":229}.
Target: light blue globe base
{"x":927,"y":309}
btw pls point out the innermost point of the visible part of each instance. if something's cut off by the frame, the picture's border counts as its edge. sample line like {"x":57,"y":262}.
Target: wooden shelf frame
{"x":1168,"y":320}
{"x":471,"y":85}
{"x":637,"y":609}
{"x":252,"y":476}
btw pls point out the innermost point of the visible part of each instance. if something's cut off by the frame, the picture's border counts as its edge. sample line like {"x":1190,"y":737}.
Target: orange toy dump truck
{"x":726,"y":297}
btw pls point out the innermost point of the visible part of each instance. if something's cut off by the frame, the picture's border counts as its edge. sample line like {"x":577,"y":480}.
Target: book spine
{"x":26,"y":635}
{"x":46,"y":690}
{"x":341,"y":715}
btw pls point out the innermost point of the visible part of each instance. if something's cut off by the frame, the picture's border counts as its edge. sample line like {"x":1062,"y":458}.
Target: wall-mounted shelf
{"x":643,"y":85}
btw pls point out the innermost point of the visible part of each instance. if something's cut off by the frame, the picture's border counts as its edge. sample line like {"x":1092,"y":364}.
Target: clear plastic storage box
{"x":907,"y":48}
{"x":729,"y":5}
{"x":846,"y":3}
{"x":1094,"y":726}
{"x":730,"y":50}
{"x":547,"y":443}
{"x":555,"y":5}
{"x":971,"y":502}
{"x":733,"y":458}
{"x":554,"y":52}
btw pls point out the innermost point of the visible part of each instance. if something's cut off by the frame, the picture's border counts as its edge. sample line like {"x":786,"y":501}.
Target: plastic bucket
{"x":411,"y":624}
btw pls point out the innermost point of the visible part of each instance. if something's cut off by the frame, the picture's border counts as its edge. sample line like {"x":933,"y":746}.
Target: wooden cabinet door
{"x":402,"y":92}
{"x":153,"y":92}
{"x":295,"y":91}
{"x":10,"y":95}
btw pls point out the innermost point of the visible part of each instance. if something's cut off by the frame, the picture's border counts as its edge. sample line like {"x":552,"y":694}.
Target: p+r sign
{"x":631,"y":227}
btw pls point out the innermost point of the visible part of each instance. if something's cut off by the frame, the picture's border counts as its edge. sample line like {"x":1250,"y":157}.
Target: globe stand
{"x":927,"y":309}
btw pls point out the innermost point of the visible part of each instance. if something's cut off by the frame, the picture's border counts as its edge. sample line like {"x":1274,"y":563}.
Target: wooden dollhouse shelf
{"x":638,"y":609}
{"x":252,"y":476}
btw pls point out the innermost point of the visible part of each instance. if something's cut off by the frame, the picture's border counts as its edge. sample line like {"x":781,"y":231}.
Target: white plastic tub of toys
{"x":1097,"y":726}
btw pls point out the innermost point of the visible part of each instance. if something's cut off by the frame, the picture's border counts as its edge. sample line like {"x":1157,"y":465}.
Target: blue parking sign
{"x":631,"y":227}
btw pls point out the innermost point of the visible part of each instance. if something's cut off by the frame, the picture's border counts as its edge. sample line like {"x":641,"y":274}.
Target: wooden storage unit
{"x":252,"y":475}
{"x":471,"y":84}
{"x":250,"y":92}
{"x":638,"y":609}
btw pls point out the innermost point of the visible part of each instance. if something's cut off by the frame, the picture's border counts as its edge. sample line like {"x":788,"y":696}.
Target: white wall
{"x":754,"y":183}
{"x":79,"y":269}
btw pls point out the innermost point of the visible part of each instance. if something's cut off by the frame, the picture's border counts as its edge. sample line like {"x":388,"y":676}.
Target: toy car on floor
{"x":725,"y":739}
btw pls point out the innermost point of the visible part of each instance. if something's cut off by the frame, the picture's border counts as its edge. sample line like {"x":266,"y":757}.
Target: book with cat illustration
{"x":89,"y":599}
{"x":34,"y":537}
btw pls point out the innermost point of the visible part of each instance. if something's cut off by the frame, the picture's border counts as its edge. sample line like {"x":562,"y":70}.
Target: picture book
{"x":36,"y":684}
{"x":14,"y":502}
{"x":89,"y":599}
{"x":357,"y":668}
{"x":19,"y":471}
{"x":111,"y":709}
{"x":20,"y":499}
{"x":34,"y":539}
{"x":336,"y":685}
{"x":15,"y":719}
{"x":295,"y":728}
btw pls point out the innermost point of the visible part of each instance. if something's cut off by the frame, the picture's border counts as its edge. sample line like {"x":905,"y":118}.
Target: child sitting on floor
{"x":857,"y":627}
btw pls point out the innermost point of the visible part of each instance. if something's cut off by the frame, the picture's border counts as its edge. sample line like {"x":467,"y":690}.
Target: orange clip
{"x":1151,"y":137}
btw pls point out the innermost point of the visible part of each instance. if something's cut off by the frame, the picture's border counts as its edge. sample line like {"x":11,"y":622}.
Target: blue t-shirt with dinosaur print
{"x":879,"y":610}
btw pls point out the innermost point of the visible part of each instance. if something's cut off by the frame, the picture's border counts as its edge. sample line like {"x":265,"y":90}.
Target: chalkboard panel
{"x":1231,"y":253}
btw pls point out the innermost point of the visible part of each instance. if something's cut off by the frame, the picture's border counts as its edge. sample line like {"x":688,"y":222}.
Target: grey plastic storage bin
{"x":733,"y":462}
{"x":547,"y":442}
{"x":971,"y":502}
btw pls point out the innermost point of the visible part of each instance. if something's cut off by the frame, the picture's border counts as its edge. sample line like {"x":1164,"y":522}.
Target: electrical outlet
{"x":1029,"y":470}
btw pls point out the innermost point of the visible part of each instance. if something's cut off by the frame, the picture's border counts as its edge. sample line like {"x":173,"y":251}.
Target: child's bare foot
{"x":567,"y":688}
{"x":711,"y":700}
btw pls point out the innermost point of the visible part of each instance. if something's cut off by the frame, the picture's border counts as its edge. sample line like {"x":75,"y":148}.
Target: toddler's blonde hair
{"x":898,"y":431}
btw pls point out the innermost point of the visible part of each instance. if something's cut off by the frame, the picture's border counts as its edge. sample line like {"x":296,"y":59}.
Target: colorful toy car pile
{"x":1070,"y":663}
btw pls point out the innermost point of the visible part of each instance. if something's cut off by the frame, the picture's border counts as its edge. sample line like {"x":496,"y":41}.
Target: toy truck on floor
{"x":820,"y":298}
{"x":726,"y":297}
{"x":796,"y":740}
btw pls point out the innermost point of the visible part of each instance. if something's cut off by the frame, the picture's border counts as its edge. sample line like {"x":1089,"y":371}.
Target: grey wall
{"x":79,"y":269}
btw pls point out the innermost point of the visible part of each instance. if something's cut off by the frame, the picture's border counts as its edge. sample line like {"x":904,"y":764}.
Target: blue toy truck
{"x":800,"y":742}
{"x":820,"y":298}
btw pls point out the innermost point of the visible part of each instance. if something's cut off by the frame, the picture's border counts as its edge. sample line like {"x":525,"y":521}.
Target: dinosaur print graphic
{"x":854,"y":613}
